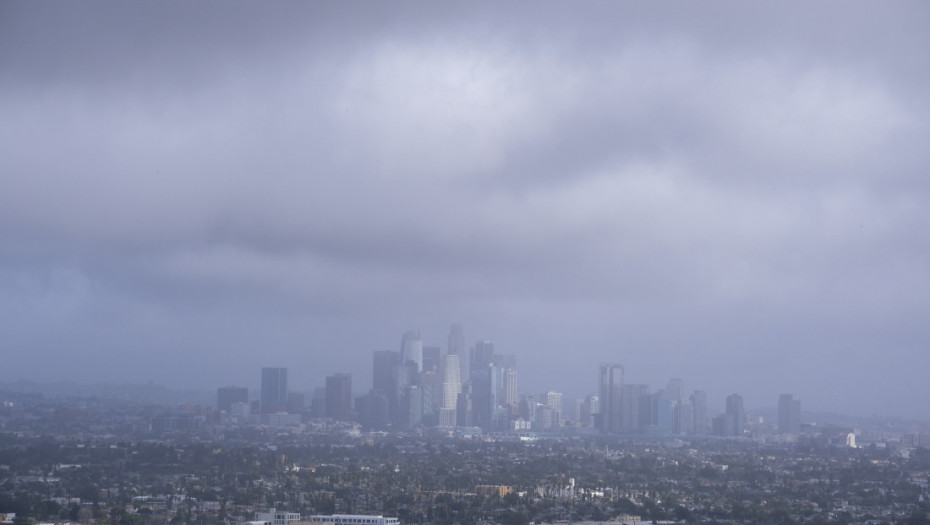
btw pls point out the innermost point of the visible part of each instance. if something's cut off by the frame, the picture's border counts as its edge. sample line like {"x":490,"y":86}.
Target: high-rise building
{"x":431,"y":384}
{"x":339,"y":397}
{"x":684,"y":417}
{"x":789,"y":414}
{"x":318,"y":402}
{"x":295,"y":402}
{"x":456,"y":340}
{"x":411,"y":348}
{"x":648,"y":411}
{"x":663,"y":421}
{"x":414,"y":406}
{"x":610,"y":383}
{"x":546,"y":418}
{"x":589,"y":410}
{"x":464,"y":413}
{"x":699,"y":409}
{"x":554,"y":400}
{"x":674,"y":389}
{"x":457,"y":347}
{"x":509,"y":395}
{"x":274,"y":390}
{"x":227,"y":395}
{"x":451,"y":381}
{"x":631,"y":400}
{"x":484,"y":382}
{"x":527,"y":407}
{"x":384,"y":362}
{"x":372,"y":410}
{"x":735,"y":416}
{"x":482,"y":354}
{"x":402,"y":376}
{"x":432,"y":358}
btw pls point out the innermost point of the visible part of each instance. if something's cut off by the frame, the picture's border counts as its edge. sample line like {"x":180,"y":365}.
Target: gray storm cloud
{"x":731,"y":194}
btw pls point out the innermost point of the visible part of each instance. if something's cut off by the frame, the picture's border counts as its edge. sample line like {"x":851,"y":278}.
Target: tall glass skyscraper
{"x":274,"y":390}
{"x":610,"y":387}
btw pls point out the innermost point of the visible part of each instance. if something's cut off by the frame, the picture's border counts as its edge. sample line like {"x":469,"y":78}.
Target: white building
{"x":354,"y":519}
{"x":277,"y":518}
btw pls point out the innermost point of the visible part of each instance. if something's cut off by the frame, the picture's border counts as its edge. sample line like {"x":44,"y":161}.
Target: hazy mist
{"x":732,"y":193}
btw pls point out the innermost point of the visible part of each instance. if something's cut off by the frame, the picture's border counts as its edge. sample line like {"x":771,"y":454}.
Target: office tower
{"x":447,"y":417}
{"x":684,"y":417}
{"x":414,"y":402}
{"x":339,"y":397}
{"x":384,"y":379}
{"x":402,"y":376}
{"x":789,"y":414}
{"x":527,"y":407}
{"x":735,"y":417}
{"x":571,"y":411}
{"x":554,"y":400}
{"x":456,"y":340}
{"x":699,"y":408}
{"x":482,"y":355}
{"x":464,"y":410}
{"x":484,"y":395}
{"x":432,"y":358}
{"x":274,"y":390}
{"x":457,"y":347}
{"x":630,"y":404}
{"x":295,"y":402}
{"x":648,"y":411}
{"x":663,"y":416}
{"x":318,"y":403}
{"x":483,"y":380}
{"x":610,"y":383}
{"x":509,"y":394}
{"x":373,"y":410}
{"x":483,"y":385}
{"x":451,"y":381}
{"x":674,"y":389}
{"x":589,"y":410}
{"x":546,"y":418}
{"x":384,"y":362}
{"x":411,"y":348}
{"x":503,"y":361}
{"x":227,"y":395}
{"x":431,"y":383}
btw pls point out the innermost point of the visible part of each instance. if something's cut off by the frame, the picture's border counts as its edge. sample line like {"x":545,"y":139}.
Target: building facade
{"x":274,"y":390}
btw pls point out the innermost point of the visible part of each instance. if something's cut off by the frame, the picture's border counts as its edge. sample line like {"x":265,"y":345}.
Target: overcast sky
{"x":733,"y":193}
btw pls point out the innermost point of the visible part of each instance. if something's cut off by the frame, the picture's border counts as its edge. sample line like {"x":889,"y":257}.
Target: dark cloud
{"x":727,"y":193}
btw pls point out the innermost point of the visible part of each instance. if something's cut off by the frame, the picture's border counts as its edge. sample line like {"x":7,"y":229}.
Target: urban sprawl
{"x":447,"y":438}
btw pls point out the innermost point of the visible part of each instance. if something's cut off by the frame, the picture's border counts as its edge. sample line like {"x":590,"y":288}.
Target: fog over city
{"x":731,"y":193}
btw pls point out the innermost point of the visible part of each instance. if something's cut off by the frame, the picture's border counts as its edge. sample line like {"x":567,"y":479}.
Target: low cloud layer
{"x":731,"y":194}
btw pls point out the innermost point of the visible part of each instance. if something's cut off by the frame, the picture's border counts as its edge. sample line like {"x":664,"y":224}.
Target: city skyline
{"x":611,"y":406}
{"x":729,"y":193}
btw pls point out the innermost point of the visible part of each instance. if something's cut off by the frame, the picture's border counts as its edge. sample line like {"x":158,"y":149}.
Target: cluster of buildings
{"x":421,"y":386}
{"x":276,"y":517}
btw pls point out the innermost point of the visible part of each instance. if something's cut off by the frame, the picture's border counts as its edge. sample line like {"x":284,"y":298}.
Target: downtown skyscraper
{"x":610,"y":388}
{"x":789,"y":414}
{"x":274,"y":390}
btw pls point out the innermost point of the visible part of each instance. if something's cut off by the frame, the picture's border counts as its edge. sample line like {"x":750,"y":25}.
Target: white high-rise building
{"x":457,"y":347}
{"x":509,"y":395}
{"x":589,"y":409}
{"x":451,"y":382}
{"x":554,"y":400}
